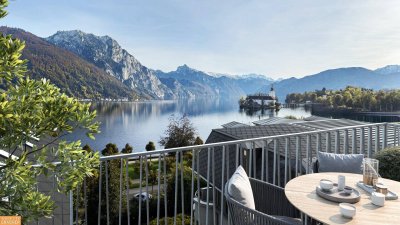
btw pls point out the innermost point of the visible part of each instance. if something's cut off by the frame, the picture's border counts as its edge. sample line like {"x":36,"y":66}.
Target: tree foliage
{"x":198,"y":141}
{"x":127,"y":149}
{"x":37,"y":109}
{"x":389,"y":163}
{"x":351,"y":97}
{"x":150,"y":146}
{"x":180,"y":132}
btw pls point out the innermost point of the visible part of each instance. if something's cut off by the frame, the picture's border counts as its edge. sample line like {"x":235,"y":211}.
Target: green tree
{"x":150,"y":146}
{"x":198,"y":141}
{"x":110,"y":149}
{"x":35,"y":108}
{"x":127,"y":149}
{"x":180,"y":132}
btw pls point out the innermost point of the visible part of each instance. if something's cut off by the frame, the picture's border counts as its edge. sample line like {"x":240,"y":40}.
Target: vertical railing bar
{"x":71,"y":207}
{"x":237,"y":156}
{"x":176,"y":186}
{"x":107,"y":195}
{"x":266,"y":161}
{"x":222,"y":185}
{"x":213,"y":186}
{"x":85,"y":198}
{"x":290,"y":161}
{"x":385,"y":128}
{"x":278,"y":164}
{"x":165,"y":189}
{"x":120,"y":193}
{"x":362,"y":140}
{"x":198,"y":189}
{"x":369,"y":141}
{"x":77,"y":205}
{"x":353,"y":143}
{"x":377,"y":139}
{"x":318,"y":143}
{"x":346,"y":142}
{"x":140,"y":189}
{"x":147,"y":188}
{"x":308,"y":153}
{"x":241,"y":153}
{"x":337,"y":147}
{"x":192,"y":185}
{"x":182,"y":188}
{"x":54,"y":189}
{"x":158,"y":188}
{"x":127,"y":190}
{"x":297,"y":154}
{"x":286,"y":159}
{"x":274,"y":169}
{"x":208,"y":184}
{"x":228,"y":163}
{"x":254,"y":161}
{"x":250,"y":161}
{"x":328,"y":142}
{"x":100,"y":184}
{"x":263,"y":161}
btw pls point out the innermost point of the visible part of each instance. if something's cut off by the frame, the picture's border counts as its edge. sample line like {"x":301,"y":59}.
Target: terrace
{"x":187,"y":184}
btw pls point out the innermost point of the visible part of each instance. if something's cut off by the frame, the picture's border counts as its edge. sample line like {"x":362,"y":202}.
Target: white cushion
{"x":239,"y":188}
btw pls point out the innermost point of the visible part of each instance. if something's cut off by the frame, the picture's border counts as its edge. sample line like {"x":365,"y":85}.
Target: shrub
{"x":170,"y":220}
{"x":389,"y":163}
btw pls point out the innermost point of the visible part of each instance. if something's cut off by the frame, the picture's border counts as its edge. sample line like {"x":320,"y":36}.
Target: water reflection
{"x":137,"y":123}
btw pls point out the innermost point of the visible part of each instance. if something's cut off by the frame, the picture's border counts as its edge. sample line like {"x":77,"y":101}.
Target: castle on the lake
{"x":260,"y":100}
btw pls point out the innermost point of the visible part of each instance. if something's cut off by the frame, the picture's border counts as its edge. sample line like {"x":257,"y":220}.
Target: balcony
{"x":187,"y":184}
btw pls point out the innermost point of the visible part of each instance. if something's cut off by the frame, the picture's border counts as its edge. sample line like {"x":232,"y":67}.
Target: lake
{"x":137,"y":123}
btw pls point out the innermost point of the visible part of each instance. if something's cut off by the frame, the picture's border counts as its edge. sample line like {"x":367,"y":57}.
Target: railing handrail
{"x":217,"y":144}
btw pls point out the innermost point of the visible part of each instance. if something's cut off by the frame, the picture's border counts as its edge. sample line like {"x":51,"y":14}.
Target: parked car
{"x":144,"y":196}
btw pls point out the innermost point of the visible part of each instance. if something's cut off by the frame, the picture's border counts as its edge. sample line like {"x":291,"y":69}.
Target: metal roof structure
{"x":312,"y":118}
{"x":234,"y":124}
{"x":329,"y":123}
{"x":273,"y":120}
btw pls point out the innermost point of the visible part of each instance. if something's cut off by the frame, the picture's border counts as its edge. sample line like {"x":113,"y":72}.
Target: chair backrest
{"x":241,"y":215}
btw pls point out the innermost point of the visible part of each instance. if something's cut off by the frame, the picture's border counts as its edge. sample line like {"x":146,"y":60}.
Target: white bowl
{"x":326,"y":184}
{"x":347,"y":190}
{"x":347,"y":210}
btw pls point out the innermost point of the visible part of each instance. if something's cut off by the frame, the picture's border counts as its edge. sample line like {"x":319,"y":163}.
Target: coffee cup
{"x":378,"y":199}
{"x":347,"y":210}
{"x":326,"y":185}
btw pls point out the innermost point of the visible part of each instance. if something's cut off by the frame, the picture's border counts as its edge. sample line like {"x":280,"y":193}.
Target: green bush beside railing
{"x":389,"y":163}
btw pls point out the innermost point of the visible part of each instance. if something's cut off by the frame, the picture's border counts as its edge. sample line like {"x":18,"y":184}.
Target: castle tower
{"x":272,"y":92}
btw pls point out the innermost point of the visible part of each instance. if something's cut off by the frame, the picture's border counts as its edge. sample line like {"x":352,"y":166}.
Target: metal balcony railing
{"x":186,"y":184}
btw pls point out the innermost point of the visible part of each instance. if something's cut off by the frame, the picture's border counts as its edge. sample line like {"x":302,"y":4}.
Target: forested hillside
{"x":73,"y":75}
{"x":351,"y":97}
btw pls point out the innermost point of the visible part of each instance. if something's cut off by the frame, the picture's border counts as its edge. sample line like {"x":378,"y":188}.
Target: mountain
{"x":389,"y":69}
{"x":193,"y":82}
{"x":107,"y":54}
{"x":73,"y":75}
{"x":337,"y":79}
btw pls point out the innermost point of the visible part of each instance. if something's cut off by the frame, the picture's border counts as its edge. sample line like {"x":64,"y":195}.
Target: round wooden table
{"x":301,"y":193}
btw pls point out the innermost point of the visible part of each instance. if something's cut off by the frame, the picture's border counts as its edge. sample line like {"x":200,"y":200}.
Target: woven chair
{"x":272,"y":207}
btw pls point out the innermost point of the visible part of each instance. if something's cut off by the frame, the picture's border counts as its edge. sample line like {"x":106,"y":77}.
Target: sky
{"x":276,"y":38}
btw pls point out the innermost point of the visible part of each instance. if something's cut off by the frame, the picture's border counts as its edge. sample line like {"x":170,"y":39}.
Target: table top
{"x":301,"y":193}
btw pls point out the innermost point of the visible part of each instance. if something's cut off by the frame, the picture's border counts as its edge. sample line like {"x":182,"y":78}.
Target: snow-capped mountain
{"x":107,"y":54}
{"x":389,"y":69}
{"x":209,"y":84}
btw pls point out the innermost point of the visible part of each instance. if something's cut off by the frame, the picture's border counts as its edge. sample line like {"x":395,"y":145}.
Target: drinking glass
{"x":370,"y":171}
